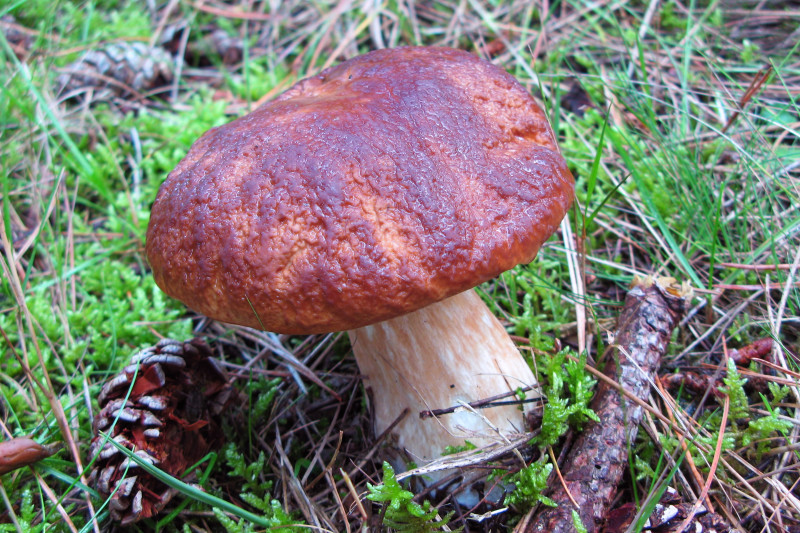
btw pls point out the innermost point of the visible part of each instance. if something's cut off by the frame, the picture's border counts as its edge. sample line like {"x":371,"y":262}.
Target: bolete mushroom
{"x":372,"y":198}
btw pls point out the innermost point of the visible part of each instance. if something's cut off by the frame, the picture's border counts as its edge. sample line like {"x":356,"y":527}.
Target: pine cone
{"x":163,"y":407}
{"x":118,"y":69}
{"x":19,"y":37}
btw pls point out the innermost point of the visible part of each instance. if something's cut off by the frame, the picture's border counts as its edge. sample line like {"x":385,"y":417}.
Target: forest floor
{"x":679,"y":120}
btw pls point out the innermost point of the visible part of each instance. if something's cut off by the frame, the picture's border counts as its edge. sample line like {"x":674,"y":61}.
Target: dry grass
{"x":697,"y":178}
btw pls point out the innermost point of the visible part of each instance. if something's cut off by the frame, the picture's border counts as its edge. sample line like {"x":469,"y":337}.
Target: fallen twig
{"x":469,"y":458}
{"x":598,"y":458}
{"x":484,"y":403}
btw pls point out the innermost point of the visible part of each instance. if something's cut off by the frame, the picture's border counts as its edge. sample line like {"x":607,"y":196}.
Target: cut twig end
{"x":669,"y":286}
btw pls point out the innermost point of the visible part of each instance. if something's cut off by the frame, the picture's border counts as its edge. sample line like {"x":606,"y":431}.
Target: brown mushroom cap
{"x":384,"y":184}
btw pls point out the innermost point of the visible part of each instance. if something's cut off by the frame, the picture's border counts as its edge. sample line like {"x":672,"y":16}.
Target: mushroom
{"x":372,"y":198}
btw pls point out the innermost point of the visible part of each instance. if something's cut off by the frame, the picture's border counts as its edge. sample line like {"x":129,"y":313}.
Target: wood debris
{"x":598,"y":459}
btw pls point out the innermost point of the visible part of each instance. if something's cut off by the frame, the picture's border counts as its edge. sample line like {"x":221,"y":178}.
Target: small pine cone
{"x":211,"y":41}
{"x":230,"y":49}
{"x":163,"y":407}
{"x":19,"y":37}
{"x":117,"y":70}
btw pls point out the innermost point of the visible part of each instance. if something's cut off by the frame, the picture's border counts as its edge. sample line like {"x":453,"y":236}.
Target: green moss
{"x":402,"y":513}
{"x":568,"y":388}
{"x":529,"y":485}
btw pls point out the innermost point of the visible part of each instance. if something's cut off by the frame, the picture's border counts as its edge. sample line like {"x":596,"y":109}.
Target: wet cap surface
{"x":384,"y":184}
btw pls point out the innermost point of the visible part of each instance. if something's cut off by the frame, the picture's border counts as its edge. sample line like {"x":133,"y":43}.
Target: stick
{"x":599,"y":457}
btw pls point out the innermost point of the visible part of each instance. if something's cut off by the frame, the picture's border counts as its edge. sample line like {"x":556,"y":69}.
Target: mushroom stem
{"x":449,"y":352}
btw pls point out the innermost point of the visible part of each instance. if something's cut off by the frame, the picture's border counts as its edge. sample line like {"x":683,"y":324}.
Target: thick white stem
{"x":449,"y":352}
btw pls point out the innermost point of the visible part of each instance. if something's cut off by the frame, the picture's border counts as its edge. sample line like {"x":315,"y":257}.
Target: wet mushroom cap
{"x":384,"y":184}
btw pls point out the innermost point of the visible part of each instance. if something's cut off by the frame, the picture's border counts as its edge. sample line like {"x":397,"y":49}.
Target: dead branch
{"x":599,"y":456}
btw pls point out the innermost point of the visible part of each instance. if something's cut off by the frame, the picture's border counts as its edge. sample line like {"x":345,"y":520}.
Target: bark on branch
{"x":598,"y":458}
